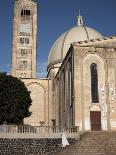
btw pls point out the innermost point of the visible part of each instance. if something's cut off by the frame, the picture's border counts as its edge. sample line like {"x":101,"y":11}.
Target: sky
{"x":54,"y":18}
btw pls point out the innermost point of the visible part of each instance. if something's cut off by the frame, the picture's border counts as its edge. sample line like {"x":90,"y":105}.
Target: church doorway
{"x":95,"y":117}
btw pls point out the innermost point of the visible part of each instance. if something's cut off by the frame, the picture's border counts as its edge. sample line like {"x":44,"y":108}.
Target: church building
{"x":80,"y":87}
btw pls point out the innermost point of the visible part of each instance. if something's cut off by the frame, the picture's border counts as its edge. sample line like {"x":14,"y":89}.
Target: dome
{"x":62,"y":44}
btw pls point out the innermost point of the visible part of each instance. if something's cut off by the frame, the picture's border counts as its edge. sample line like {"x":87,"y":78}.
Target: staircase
{"x":92,"y":143}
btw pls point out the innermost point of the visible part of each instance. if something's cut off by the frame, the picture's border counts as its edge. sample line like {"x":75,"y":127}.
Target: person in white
{"x":64,"y":140}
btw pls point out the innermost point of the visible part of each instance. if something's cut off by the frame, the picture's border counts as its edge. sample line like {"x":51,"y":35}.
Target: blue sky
{"x":54,"y":18}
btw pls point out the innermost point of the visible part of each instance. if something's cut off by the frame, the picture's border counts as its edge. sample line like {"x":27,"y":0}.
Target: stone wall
{"x":41,"y":103}
{"x":29,"y":146}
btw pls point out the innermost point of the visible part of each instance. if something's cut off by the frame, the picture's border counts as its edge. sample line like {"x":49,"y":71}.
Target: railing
{"x":37,"y":129}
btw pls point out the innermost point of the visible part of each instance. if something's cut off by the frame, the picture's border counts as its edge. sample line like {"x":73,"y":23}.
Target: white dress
{"x":64,"y":140}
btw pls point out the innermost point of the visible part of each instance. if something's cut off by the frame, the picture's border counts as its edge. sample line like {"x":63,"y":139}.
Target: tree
{"x":15,"y":100}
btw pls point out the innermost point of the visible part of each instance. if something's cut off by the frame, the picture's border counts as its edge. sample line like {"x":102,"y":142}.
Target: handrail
{"x":37,"y":129}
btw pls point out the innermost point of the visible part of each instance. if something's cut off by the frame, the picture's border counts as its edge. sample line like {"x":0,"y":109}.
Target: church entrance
{"x":95,"y":117}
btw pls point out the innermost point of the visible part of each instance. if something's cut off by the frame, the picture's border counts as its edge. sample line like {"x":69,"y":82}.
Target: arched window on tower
{"x":25,"y":14}
{"x":23,"y":64}
{"x":94,"y":83}
{"x":24,"y":40}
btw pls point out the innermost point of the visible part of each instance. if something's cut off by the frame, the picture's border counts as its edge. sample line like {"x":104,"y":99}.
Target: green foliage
{"x":14,"y":100}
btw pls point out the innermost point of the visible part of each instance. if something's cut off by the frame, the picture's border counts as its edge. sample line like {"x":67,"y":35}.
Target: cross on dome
{"x":79,"y":19}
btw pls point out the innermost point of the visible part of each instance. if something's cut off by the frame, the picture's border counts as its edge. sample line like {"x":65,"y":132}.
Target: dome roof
{"x":75,"y":34}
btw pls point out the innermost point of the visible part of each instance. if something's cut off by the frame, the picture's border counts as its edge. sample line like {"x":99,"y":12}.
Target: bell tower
{"x":24,"y":39}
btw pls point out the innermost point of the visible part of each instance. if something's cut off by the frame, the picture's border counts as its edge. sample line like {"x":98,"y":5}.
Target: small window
{"x":23,"y":52}
{"x":24,"y":40}
{"x":23,"y":64}
{"x":23,"y":75}
{"x":25,"y":12}
{"x":21,"y":12}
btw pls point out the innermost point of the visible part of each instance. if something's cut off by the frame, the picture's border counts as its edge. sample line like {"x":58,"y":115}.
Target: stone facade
{"x":24,"y":39}
{"x":79,"y":59}
{"x":74,"y":95}
{"x":41,"y":105}
{"x":24,"y":62}
{"x":105,"y":58}
{"x":63,"y":94}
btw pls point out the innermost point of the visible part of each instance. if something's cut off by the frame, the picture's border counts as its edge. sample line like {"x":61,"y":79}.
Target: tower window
{"x":28,"y":12}
{"x":24,"y":40}
{"x":23,"y":52}
{"x":21,"y":12}
{"x":25,"y":12}
{"x":94,"y":83}
{"x":23,"y":64}
{"x":23,"y":75}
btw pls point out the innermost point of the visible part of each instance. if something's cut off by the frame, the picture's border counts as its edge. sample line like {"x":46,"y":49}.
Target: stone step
{"x":92,"y":143}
